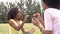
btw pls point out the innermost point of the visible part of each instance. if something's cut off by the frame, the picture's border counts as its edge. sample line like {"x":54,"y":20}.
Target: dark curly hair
{"x":52,"y":3}
{"x":12,"y":13}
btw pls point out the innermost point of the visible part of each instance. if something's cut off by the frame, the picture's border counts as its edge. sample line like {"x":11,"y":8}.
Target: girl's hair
{"x":52,"y":3}
{"x":12,"y":13}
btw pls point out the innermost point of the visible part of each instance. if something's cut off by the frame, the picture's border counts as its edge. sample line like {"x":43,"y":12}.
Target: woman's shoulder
{"x":50,"y":10}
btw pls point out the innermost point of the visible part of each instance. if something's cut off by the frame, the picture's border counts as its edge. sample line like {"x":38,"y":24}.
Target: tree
{"x":3,"y":10}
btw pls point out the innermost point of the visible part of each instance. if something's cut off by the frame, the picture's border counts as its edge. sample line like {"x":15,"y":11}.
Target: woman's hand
{"x":35,"y":21}
{"x":38,"y":16}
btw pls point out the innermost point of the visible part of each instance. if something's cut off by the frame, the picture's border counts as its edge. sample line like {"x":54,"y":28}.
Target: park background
{"x":29,"y":7}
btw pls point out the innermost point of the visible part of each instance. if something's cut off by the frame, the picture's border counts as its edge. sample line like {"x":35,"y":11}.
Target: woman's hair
{"x":12,"y":13}
{"x":52,"y":3}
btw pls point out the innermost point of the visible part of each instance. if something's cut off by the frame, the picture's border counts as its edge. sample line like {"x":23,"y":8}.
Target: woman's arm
{"x":47,"y":21}
{"x":42,"y":22}
{"x":42,"y":29}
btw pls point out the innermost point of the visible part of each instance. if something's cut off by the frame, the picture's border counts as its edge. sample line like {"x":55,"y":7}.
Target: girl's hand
{"x":25,"y":18}
{"x":32,"y":30}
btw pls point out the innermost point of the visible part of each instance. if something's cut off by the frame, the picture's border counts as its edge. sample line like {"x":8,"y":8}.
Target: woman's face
{"x":44,"y":5}
{"x":19,"y":14}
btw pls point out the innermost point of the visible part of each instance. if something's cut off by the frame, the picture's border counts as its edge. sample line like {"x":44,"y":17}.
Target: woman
{"x":51,"y":23}
{"x":14,"y":20}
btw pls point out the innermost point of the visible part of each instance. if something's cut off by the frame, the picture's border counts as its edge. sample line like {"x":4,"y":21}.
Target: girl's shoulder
{"x":14,"y":20}
{"x":11,"y":20}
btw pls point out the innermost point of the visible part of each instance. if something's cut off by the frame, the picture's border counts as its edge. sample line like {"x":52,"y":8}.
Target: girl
{"x":13,"y":17}
{"x":51,"y":23}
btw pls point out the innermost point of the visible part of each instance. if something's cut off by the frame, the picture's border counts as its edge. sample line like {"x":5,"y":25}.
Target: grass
{"x":4,"y":28}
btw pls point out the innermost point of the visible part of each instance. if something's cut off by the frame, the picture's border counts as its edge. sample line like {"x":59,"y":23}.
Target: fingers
{"x":37,"y":16}
{"x":32,"y":20}
{"x":34,"y":14}
{"x":35,"y":19}
{"x":38,"y":13}
{"x":26,"y":17}
{"x":32,"y":30}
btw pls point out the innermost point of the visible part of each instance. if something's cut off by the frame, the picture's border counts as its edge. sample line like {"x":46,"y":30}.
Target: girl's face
{"x":19,"y":14}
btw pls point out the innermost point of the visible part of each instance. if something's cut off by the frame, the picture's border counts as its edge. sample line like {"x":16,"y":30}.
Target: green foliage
{"x":30,"y":8}
{"x":3,"y":10}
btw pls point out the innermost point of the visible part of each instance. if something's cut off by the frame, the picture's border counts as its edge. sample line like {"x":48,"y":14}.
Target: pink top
{"x":52,"y":20}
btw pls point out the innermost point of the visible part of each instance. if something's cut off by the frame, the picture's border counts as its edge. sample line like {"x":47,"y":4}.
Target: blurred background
{"x":29,"y":7}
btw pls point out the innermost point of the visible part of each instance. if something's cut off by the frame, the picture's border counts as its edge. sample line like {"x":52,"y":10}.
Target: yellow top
{"x":12,"y":30}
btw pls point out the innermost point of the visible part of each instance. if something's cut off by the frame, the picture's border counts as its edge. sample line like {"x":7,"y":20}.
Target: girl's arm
{"x":18,"y":27}
{"x":25,"y":32}
{"x":15,"y":26}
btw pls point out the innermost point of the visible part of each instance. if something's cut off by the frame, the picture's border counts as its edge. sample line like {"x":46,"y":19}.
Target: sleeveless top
{"x":12,"y":30}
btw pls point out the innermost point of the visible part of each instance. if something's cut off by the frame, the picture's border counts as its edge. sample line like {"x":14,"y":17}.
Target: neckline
{"x":16,"y":22}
